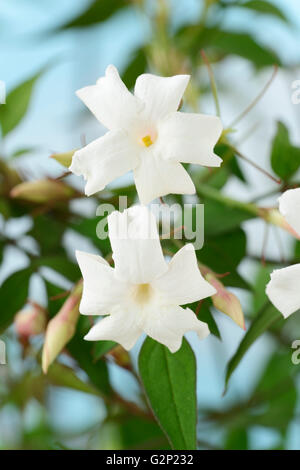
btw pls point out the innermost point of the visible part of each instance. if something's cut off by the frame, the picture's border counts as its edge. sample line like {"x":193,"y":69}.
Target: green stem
{"x":257,"y":167}
{"x":256,"y":100}
{"x":212,"y":193}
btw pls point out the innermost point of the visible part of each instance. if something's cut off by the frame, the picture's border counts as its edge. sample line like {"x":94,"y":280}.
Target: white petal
{"x":110,"y":101}
{"x":183,"y":282}
{"x":190,"y":138}
{"x":289,"y":207}
{"x":101,"y":289}
{"x":169,"y":324}
{"x":284,"y":289}
{"x":120,"y":326}
{"x":161,"y":95}
{"x":135,"y":244}
{"x":104,"y":160}
{"x":155,"y":177}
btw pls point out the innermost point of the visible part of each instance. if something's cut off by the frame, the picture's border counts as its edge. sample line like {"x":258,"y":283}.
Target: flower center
{"x":142,"y":293}
{"x":147,"y":141}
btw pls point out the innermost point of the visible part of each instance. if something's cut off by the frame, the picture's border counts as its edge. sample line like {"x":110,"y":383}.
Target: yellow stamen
{"x":147,"y":140}
{"x":142,"y":293}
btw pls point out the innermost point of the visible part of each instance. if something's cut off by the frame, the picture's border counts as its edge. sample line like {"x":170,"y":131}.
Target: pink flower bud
{"x":30,"y":321}
{"x":274,"y":217}
{"x":65,"y":159}
{"x":61,"y":328}
{"x":42,"y":191}
{"x":226,"y":301}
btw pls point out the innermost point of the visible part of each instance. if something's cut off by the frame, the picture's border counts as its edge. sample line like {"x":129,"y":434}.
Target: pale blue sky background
{"x":57,"y":119}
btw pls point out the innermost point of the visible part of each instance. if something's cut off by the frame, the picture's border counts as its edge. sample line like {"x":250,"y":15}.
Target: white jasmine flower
{"x":289,"y":207}
{"x":284,"y":289}
{"x":146,"y":135}
{"x":142,"y":293}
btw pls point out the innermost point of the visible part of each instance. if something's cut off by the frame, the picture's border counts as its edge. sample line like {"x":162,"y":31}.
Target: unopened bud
{"x":226,"y":301}
{"x":273,"y":216}
{"x":42,"y":191}
{"x":61,"y":328}
{"x":9,"y":177}
{"x":65,"y":159}
{"x":30,"y":321}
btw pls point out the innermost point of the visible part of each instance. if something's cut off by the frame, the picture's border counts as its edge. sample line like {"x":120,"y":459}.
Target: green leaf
{"x":13,"y":296}
{"x":220,"y":215}
{"x":204,"y":314}
{"x":137,"y":433}
{"x":222,"y":43}
{"x":230,"y":161}
{"x":2,"y":246}
{"x":24,"y":388}
{"x":224,"y":250}
{"x":170,"y":384}
{"x":244,"y":45}
{"x":261,"y":279}
{"x":63,"y":376}
{"x":262,"y":322}
{"x":237,"y":439}
{"x":97,"y":12}
{"x":220,"y":219}
{"x":16,"y":106}
{"x":285,"y":158}
{"x":264,"y":7}
{"x":101,"y":348}
{"x":236,"y":169}
{"x":55,"y":303}
{"x":82,"y":351}
{"x":48,"y":232}
{"x":276,"y":386}
{"x":223,"y":253}
{"x":297,"y":250}
{"x":218,"y":178}
{"x":60,"y":264}
{"x":23,"y":151}
{"x":89,"y":227}
{"x":137,"y":66}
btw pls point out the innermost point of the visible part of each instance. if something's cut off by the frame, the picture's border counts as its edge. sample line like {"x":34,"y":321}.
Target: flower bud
{"x":273,"y":216}
{"x":226,"y":301}
{"x":9,"y":177}
{"x":42,"y":191}
{"x":61,"y":328}
{"x":30,"y":321}
{"x":65,"y":159}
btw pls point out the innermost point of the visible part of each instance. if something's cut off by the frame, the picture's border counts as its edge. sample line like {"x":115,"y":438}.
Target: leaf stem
{"x":256,"y":100}
{"x":257,"y":167}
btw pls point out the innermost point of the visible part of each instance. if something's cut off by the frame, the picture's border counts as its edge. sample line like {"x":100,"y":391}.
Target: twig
{"x":60,"y":296}
{"x":212,"y":82}
{"x":67,"y":173}
{"x":262,"y":170}
{"x":256,"y":100}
